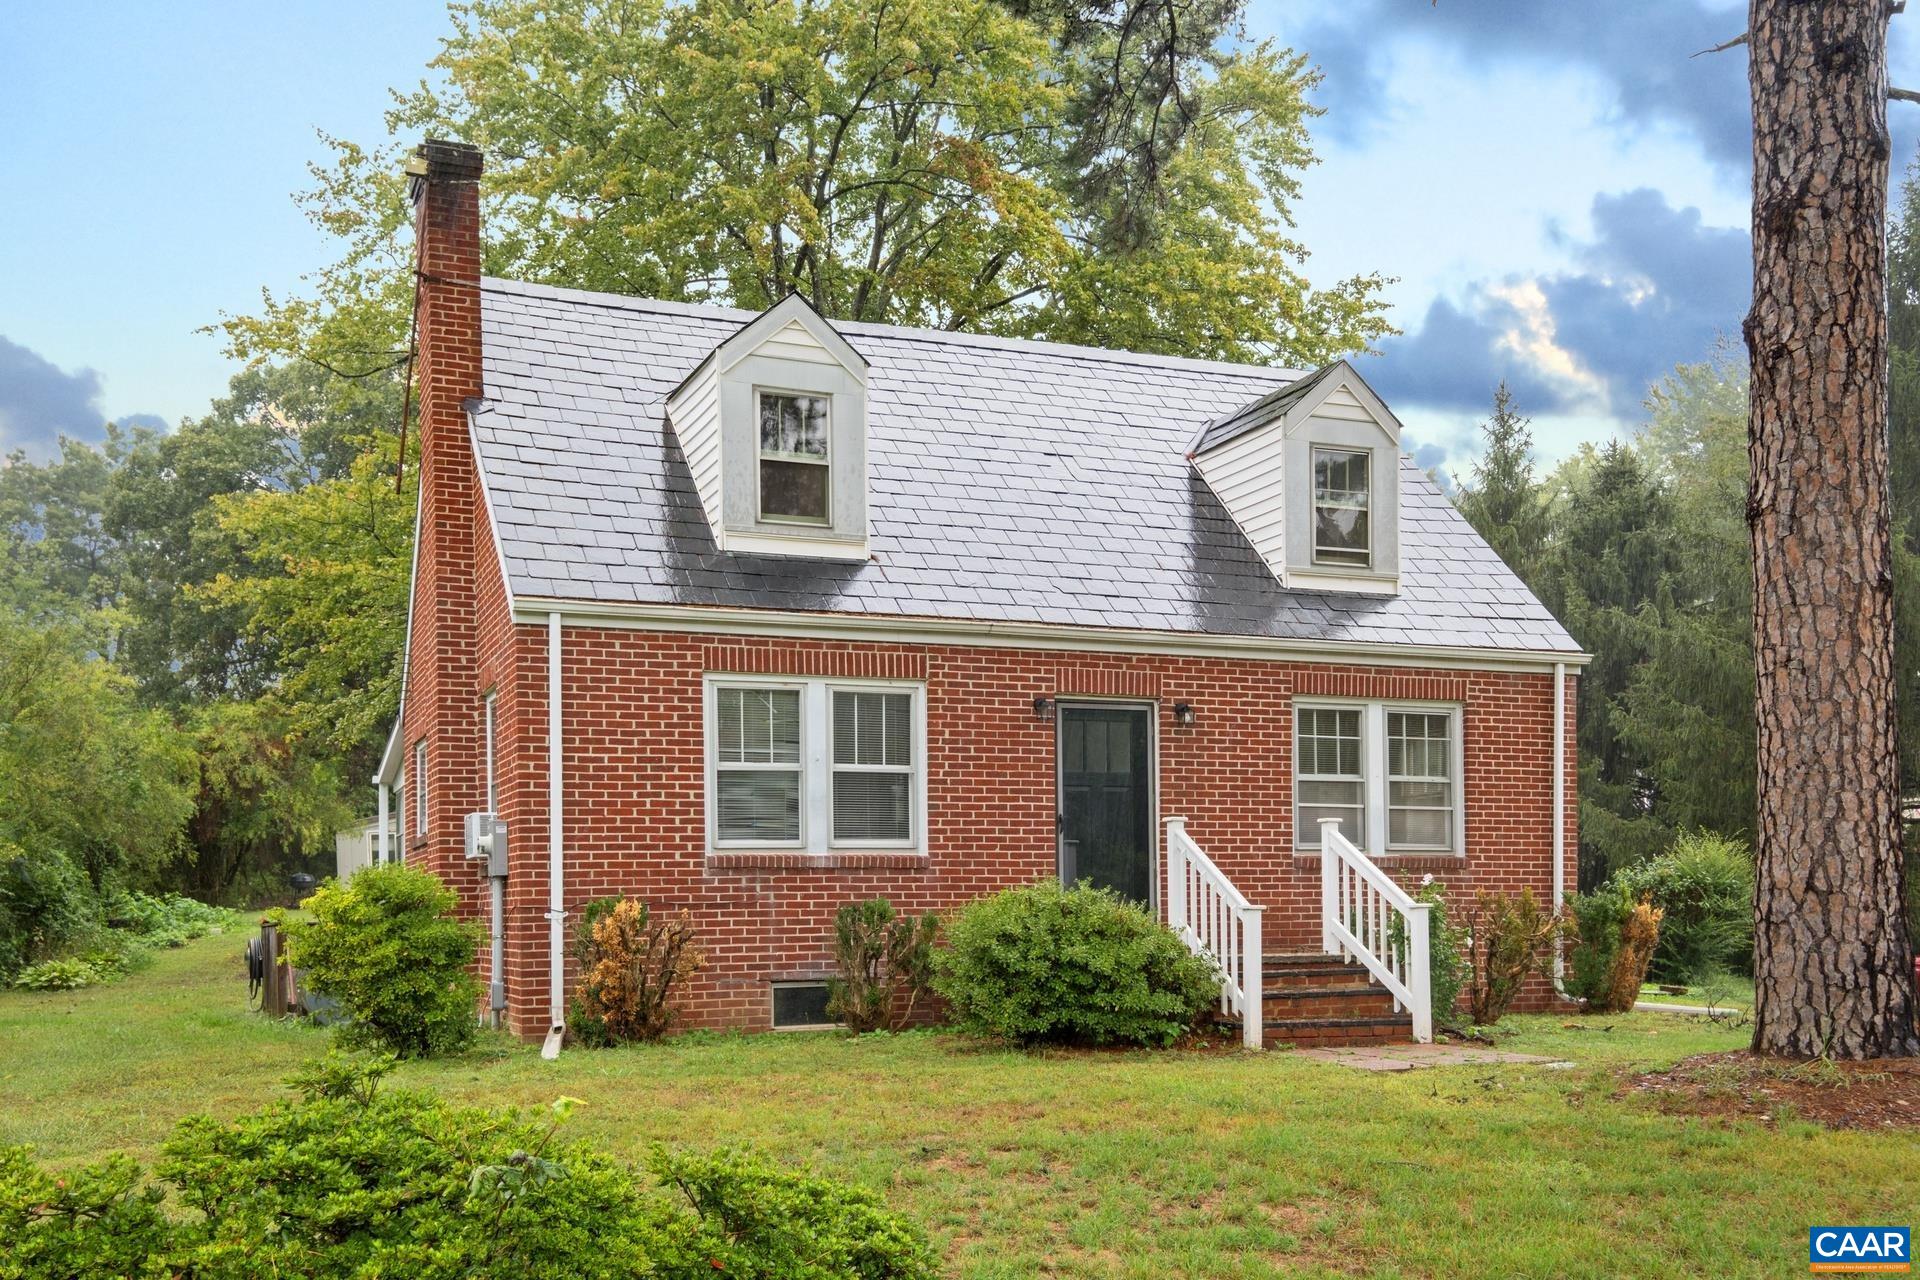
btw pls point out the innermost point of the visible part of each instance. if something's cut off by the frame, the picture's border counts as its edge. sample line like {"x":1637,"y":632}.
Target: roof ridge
{"x":903,"y":333}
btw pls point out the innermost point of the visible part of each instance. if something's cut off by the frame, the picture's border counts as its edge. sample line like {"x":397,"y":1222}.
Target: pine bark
{"x":1832,"y":963}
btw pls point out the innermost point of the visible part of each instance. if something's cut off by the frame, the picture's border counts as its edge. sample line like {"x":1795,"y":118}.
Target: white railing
{"x":1216,"y":921}
{"x":1365,"y":916}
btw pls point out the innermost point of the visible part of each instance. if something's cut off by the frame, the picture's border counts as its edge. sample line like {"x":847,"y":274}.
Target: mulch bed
{"x":1881,"y":1093}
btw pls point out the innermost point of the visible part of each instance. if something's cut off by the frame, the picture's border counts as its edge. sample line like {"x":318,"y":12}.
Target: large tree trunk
{"x":1832,"y":967}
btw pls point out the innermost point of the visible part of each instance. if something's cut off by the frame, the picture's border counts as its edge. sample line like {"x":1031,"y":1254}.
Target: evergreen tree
{"x":1504,"y":501}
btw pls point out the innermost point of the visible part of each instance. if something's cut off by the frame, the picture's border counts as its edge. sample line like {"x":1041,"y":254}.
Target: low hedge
{"x":1080,"y":965}
{"x":351,"y":1180}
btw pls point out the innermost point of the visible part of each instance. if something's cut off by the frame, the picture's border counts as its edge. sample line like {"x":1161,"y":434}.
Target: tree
{"x":1833,"y":969}
{"x":1610,"y":553}
{"x":920,"y":164}
{"x":1504,"y":501}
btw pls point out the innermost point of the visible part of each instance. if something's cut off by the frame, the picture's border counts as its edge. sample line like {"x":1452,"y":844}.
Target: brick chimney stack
{"x":443,"y":708}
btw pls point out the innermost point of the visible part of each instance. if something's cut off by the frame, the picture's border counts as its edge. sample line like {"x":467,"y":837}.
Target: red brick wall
{"x":635,"y":790}
{"x":441,"y":699}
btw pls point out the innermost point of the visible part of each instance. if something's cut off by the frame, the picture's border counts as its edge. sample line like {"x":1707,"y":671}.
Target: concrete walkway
{"x":1415,"y":1057}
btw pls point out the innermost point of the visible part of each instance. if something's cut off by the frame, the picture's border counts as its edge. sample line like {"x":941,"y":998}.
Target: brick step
{"x":1281,"y":977}
{"x":1326,"y":1002}
{"x":1327,"y":1033}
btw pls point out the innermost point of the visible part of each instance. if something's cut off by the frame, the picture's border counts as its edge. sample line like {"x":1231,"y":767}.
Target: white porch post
{"x":384,"y":849}
{"x":1253,"y":981}
{"x":1419,"y":976}
{"x":1329,"y":907}
{"x":1176,"y":861}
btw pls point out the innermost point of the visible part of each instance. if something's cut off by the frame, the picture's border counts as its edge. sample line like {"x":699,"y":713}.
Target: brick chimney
{"x":442,"y":697}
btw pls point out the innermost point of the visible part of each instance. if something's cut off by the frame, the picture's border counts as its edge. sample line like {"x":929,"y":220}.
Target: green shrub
{"x":46,"y":906}
{"x":171,"y":920}
{"x":69,"y":974}
{"x":1598,"y":918}
{"x":1446,"y":953}
{"x":879,"y":954}
{"x":387,"y":947}
{"x":101,"y":1222}
{"x":1080,"y":965}
{"x":760,"y":1223}
{"x":351,"y":1180}
{"x":1704,"y":885}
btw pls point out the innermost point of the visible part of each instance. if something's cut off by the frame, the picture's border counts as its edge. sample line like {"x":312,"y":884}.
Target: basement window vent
{"x":800,"y":1006}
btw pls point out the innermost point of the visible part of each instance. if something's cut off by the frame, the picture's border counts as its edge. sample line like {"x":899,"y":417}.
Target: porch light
{"x":1043,"y":708}
{"x":1183,"y":712}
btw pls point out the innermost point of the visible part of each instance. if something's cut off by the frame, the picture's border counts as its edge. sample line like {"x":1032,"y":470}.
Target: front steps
{"x":1313,"y":1001}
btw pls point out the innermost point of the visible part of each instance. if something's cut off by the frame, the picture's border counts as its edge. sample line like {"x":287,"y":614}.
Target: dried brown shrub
{"x":631,"y":964}
{"x":1507,"y":940}
{"x":1639,"y":934}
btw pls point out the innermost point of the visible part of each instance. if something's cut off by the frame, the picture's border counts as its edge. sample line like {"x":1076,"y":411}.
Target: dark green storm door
{"x":1106,"y":798}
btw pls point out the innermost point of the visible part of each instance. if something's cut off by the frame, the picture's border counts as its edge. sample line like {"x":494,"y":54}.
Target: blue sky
{"x":1559,"y":189}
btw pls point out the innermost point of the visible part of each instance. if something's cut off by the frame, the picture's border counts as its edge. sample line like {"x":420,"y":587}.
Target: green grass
{"x":1075,"y":1164}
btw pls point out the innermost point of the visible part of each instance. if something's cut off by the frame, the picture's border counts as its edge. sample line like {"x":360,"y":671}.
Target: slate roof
{"x":1009,"y":481}
{"x":1262,"y":411}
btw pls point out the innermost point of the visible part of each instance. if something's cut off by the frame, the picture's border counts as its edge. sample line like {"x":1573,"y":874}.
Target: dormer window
{"x":1341,"y":532}
{"x":773,"y":428}
{"x":1311,"y":475}
{"x":794,"y":475}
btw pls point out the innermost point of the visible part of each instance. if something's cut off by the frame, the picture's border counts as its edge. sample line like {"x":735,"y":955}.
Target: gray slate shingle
{"x":1009,"y":482}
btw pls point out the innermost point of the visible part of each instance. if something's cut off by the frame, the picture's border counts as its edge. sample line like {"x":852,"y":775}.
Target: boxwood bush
{"x":1080,"y":965}
{"x":386,"y":945}
{"x":351,"y":1180}
{"x":1704,"y":885}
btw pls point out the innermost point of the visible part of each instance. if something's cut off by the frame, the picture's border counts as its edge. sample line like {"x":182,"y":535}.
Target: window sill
{"x":1392,"y":861}
{"x":800,"y":860}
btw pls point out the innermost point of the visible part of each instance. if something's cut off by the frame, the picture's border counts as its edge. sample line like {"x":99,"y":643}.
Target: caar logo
{"x":1881,"y":1249}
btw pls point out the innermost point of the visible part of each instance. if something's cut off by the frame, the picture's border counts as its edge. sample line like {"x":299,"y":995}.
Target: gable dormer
{"x":1311,"y":474}
{"x":773,"y":425}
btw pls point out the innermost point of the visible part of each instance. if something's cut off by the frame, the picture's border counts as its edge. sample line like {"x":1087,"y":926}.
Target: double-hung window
{"x":872,"y":766}
{"x":1390,"y":774}
{"x":815,"y":764}
{"x":757,"y":766}
{"x":1342,"y":533}
{"x":794,"y":430}
{"x":1420,"y":807}
{"x":1330,"y":779}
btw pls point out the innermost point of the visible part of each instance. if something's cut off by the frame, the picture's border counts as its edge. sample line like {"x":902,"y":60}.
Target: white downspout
{"x":1559,"y":813}
{"x":556,"y":868}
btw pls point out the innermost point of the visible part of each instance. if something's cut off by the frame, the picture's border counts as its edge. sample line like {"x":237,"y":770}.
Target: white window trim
{"x":420,"y":787}
{"x":761,"y":455}
{"x":1313,"y":508}
{"x":916,"y":771}
{"x":1373,"y":760}
{"x":816,"y":763}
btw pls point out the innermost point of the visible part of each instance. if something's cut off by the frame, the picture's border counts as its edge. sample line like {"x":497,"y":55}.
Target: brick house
{"x":758,"y":615}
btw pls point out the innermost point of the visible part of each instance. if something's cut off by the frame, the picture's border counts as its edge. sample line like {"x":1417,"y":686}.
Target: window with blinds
{"x":1420,"y":786}
{"x":1329,"y":774}
{"x":872,"y":767}
{"x":757,"y":766}
{"x":815,"y":764}
{"x":1390,"y":774}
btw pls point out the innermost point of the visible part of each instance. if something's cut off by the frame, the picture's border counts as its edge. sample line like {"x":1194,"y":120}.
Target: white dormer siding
{"x":1311,"y":474}
{"x":799,"y":488}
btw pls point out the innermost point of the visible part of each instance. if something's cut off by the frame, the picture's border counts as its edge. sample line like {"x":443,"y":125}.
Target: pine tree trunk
{"x":1832,"y":966}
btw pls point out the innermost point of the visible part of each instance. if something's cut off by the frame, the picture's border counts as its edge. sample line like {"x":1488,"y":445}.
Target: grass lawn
{"x":1077,"y":1164}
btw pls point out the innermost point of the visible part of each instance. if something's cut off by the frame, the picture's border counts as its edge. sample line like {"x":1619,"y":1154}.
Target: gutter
{"x":556,"y":866}
{"x":1559,"y":819}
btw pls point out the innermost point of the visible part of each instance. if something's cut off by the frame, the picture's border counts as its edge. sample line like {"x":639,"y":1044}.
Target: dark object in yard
{"x":256,"y":969}
{"x":1673,"y":989}
{"x":302,"y":884}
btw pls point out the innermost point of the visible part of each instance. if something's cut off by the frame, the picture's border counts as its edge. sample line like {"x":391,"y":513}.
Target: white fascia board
{"x":729,"y":622}
{"x":1349,"y":378}
{"x":390,"y":758}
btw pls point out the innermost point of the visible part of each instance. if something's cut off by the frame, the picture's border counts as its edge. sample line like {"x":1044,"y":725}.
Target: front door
{"x":1106,"y":798}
